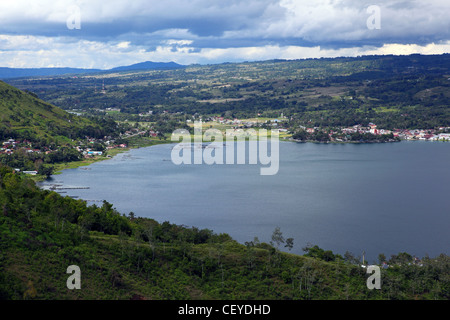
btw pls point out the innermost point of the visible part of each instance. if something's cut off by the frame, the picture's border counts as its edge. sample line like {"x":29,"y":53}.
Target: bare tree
{"x":277,"y":237}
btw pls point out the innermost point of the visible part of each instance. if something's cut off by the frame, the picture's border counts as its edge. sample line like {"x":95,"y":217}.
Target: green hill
{"x":123,"y":257}
{"x":23,"y":115}
{"x":43,"y":135}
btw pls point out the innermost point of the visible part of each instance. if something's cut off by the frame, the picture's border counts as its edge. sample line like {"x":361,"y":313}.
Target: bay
{"x":373,"y":198}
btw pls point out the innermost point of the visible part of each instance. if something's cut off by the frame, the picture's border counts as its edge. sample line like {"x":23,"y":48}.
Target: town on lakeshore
{"x":341,"y":134}
{"x":91,"y":147}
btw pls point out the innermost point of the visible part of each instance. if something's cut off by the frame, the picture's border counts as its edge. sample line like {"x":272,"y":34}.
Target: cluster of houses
{"x":146,"y":114}
{"x":429,"y":135}
{"x":11,"y":145}
{"x":135,"y":132}
{"x":110,"y":143}
{"x":222,"y":120}
{"x":371,"y":128}
{"x":8,"y":146}
{"x":439,"y":134}
{"x":245,"y":123}
{"x":89,"y":152}
{"x":403,"y":134}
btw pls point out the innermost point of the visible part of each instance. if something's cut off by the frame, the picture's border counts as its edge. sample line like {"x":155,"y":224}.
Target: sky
{"x":106,"y":34}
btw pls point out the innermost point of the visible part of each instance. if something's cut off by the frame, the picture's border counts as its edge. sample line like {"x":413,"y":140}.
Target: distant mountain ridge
{"x":149,"y":65}
{"x":8,"y":73}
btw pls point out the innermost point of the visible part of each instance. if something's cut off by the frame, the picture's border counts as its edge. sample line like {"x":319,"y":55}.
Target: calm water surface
{"x":377,"y":198}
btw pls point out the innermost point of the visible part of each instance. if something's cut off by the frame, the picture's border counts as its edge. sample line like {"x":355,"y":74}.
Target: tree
{"x":256,"y":242}
{"x":46,"y":170}
{"x":289,"y":243}
{"x":350,"y":258}
{"x":277,"y":237}
{"x":319,"y":253}
{"x":381,"y":258}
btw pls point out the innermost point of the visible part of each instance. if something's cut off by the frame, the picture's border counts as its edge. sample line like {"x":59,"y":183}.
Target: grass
{"x":76,"y":164}
{"x":386,"y":109}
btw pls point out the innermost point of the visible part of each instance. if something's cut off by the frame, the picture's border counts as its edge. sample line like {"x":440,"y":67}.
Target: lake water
{"x":378,"y":198}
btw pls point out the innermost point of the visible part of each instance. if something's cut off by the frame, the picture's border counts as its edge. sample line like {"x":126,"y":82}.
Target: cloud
{"x":214,"y":30}
{"x":38,"y":51}
{"x":344,"y":23}
{"x":116,"y":17}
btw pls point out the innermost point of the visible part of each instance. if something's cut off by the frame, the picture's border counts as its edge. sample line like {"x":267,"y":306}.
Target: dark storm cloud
{"x":212,"y":23}
{"x":187,"y":27}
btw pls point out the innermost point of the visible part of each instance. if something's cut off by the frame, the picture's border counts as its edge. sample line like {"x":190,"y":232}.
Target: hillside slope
{"x":123,"y":257}
{"x":23,"y":115}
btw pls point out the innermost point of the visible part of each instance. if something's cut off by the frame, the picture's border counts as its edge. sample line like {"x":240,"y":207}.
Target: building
{"x":33,"y":173}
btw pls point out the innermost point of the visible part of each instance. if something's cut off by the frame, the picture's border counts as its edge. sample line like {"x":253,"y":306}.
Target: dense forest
{"x":126,"y":257}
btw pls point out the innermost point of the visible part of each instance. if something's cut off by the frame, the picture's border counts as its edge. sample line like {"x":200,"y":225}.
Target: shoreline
{"x":123,"y":150}
{"x":340,"y":142}
{"x":60,"y":167}
{"x":87,"y":162}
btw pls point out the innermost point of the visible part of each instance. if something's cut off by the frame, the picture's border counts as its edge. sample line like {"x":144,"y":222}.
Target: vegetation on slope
{"x":42,"y":133}
{"x":23,"y":115}
{"x":124,"y":257}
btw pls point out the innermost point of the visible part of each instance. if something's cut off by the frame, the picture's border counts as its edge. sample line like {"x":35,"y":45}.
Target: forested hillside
{"x":34,"y":134}
{"x":124,"y":257}
{"x":23,"y":115}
